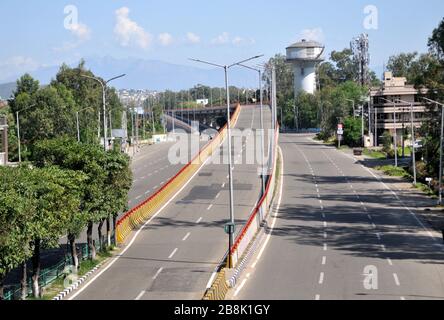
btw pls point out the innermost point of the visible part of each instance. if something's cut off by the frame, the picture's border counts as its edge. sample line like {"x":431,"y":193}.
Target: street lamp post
{"x":78,"y":124}
{"x":353,"y":104}
{"x":413,"y":139}
{"x":440,"y":147}
{"x":18,"y":130}
{"x":103,"y":84}
{"x":230,"y":166}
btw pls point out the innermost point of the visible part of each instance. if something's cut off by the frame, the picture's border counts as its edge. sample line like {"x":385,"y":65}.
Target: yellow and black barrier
{"x":218,"y":289}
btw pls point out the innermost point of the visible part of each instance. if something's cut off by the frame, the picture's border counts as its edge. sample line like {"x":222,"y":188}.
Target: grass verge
{"x":394,"y":171}
{"x":375,"y":154}
{"x":58,"y":285}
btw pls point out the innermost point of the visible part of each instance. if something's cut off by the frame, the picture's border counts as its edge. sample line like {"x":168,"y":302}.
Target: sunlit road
{"x":342,"y":234}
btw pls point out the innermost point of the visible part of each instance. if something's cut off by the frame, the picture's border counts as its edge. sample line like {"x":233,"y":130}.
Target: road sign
{"x":340,"y":126}
{"x":230,"y":228}
{"x":340,"y":132}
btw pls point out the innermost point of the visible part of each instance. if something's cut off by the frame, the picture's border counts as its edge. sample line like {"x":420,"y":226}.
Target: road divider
{"x":135,"y":217}
{"x":246,"y":242}
{"x":260,"y":212}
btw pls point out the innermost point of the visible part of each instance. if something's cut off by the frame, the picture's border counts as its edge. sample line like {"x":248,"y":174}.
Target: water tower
{"x":304,"y":56}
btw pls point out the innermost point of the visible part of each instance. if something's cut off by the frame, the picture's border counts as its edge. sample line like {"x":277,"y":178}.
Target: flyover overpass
{"x":174,"y":255}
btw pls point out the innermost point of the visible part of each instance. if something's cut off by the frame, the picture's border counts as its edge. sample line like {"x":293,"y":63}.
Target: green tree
{"x":117,"y":184}
{"x":16,"y":210}
{"x":352,"y":132}
{"x":89,"y":159}
{"x":55,"y":203}
{"x":436,"y":41}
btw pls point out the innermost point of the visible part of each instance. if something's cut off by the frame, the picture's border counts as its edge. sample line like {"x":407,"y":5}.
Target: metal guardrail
{"x":49,"y":275}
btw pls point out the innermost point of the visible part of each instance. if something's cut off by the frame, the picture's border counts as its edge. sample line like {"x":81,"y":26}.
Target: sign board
{"x":230,"y":228}
{"x":118,"y":133}
{"x":429,"y":179}
{"x":340,"y":132}
{"x":340,"y":126}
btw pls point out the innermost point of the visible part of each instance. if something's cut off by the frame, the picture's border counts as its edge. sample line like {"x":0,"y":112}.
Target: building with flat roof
{"x":382,"y":111}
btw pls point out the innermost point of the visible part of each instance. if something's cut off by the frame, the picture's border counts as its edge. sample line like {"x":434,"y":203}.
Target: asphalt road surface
{"x":175,"y":253}
{"x":340,"y":233}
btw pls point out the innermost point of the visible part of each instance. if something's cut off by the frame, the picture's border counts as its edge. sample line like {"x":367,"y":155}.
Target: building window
{"x":310,"y":52}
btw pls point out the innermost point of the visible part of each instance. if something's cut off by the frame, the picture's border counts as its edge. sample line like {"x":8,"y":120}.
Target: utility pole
{"x":395,"y":138}
{"x":440,"y":147}
{"x":18,"y":130}
{"x":103,"y":84}
{"x":413,"y":138}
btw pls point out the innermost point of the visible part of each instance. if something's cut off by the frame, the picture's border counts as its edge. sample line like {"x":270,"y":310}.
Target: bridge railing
{"x":135,"y":217}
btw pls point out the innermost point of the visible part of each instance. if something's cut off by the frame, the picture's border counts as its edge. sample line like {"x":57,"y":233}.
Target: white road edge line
{"x":173,"y":253}
{"x":240,"y":287}
{"x":321,"y":278}
{"x":186,"y":237}
{"x":140,"y":295}
{"x":274,"y":218}
{"x":157,"y":273}
{"x":395,"y":276}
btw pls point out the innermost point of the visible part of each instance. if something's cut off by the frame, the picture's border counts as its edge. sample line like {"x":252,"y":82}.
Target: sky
{"x":35,"y":34}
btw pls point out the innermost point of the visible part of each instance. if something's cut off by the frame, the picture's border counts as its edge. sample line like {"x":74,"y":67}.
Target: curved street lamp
{"x":103,"y":84}
{"x":230,"y":166}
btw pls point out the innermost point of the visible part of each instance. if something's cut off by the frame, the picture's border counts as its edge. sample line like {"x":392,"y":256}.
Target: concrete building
{"x":382,"y":112}
{"x":304,"y":56}
{"x":3,"y":141}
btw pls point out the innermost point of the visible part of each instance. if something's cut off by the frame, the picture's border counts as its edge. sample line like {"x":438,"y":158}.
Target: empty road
{"x":340,"y":233}
{"x":175,"y":253}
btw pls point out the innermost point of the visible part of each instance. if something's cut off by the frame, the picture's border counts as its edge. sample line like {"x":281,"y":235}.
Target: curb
{"x":75,"y":285}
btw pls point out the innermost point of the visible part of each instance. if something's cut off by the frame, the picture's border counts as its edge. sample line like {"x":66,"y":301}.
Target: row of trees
{"x":216,"y":96}
{"x":49,"y":111}
{"x":70,"y":186}
{"x":62,"y":187}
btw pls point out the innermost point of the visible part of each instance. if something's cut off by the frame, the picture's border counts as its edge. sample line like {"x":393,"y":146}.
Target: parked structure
{"x":382,"y":112}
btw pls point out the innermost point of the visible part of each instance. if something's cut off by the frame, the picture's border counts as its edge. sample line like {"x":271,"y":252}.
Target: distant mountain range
{"x":152,"y":74}
{"x":6,"y":90}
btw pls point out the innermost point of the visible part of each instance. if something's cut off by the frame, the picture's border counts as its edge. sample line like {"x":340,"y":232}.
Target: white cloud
{"x":237,"y":40}
{"x":165,"y":39}
{"x":80,"y":30}
{"x":193,"y":38}
{"x":242,"y":41}
{"x":315,"y":34}
{"x":221,"y":39}
{"x":128,"y":32}
{"x":15,"y":66}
